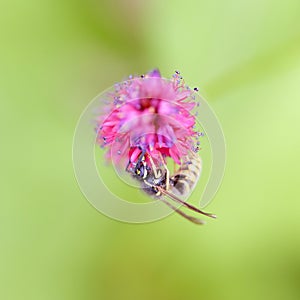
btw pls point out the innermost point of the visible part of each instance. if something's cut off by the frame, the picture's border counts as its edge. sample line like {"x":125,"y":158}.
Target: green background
{"x":245,"y":58}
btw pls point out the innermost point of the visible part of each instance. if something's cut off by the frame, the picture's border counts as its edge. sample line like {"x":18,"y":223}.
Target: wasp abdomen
{"x":186,"y":177}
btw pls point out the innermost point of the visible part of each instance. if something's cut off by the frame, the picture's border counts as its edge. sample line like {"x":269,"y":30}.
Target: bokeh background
{"x":56,"y":55}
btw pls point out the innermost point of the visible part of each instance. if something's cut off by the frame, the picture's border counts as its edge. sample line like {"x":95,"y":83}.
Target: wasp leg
{"x":158,"y":193}
{"x":148,"y":183}
{"x":189,"y":206}
{"x":167,"y":172}
{"x":154,"y":168}
{"x":141,"y":157}
{"x":174,"y":167}
{"x":190,"y":218}
{"x":167,"y":178}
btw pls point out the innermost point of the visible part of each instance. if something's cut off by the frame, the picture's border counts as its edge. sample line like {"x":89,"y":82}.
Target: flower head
{"x":150,"y":115}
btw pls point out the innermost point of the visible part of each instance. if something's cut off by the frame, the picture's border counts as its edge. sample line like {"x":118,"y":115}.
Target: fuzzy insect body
{"x":157,"y":182}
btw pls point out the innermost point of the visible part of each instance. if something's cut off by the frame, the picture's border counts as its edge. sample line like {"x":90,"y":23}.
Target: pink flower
{"x":148,"y":114}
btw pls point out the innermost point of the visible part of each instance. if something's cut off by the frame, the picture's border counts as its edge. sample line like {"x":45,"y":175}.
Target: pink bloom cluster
{"x":148,"y":114}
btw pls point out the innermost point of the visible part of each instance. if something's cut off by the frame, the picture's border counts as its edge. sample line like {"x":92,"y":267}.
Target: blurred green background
{"x":245,"y":58}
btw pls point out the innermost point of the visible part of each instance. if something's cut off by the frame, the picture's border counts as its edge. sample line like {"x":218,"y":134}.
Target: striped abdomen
{"x":184,"y":180}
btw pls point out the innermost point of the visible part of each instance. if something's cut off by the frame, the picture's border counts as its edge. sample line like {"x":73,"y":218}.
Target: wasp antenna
{"x":190,"y":218}
{"x":191,"y":207}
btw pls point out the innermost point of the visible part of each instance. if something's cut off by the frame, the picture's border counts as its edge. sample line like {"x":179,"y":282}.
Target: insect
{"x":147,"y":120}
{"x":158,"y":182}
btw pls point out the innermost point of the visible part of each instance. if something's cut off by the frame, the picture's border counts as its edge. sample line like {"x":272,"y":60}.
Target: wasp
{"x":157,"y":182}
